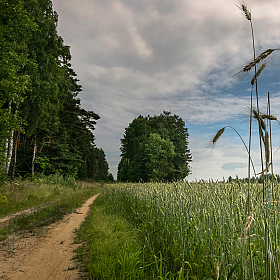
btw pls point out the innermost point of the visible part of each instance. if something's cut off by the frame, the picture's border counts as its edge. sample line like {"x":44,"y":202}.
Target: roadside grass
{"x":23,"y":194}
{"x":112,"y":247}
{"x":58,"y":197}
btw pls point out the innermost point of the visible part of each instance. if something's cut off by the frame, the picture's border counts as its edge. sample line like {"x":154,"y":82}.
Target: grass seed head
{"x":268,"y":117}
{"x":254,"y":80}
{"x":267,"y":150}
{"x":261,"y":57}
{"x":242,"y":6}
{"x":218,"y":135}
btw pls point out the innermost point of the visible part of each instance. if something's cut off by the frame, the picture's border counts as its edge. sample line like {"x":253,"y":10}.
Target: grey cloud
{"x":143,"y":57}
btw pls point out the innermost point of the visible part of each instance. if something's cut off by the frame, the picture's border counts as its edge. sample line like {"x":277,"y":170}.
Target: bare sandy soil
{"x":46,"y":255}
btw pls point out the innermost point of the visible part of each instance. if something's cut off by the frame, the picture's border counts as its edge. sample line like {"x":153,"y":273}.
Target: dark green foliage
{"x":42,"y":104}
{"x":39,"y":108}
{"x":16,"y":29}
{"x":94,"y":166}
{"x":155,"y":148}
{"x":159,"y":154}
{"x":263,"y":177}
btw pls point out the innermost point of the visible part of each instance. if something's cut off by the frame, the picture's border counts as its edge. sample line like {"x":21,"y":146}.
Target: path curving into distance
{"x":47,"y":255}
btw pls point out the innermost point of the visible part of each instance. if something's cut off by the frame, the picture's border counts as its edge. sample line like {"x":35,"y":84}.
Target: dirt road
{"x":47,"y":255}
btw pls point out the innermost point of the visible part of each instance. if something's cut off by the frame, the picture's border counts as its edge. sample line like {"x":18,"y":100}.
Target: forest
{"x":43,"y":128}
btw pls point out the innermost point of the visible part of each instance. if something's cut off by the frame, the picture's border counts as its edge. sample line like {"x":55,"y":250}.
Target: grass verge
{"x":112,"y":248}
{"x":21,"y":195}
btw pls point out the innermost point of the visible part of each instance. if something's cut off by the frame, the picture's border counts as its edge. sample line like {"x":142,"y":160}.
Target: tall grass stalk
{"x":246,"y":12}
{"x":265,"y":140}
{"x":274,"y":197}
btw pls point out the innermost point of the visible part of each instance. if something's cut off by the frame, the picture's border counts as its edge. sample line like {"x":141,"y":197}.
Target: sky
{"x":146,"y":56}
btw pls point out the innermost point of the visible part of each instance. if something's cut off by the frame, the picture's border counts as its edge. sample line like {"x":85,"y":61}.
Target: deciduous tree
{"x":151,"y":142}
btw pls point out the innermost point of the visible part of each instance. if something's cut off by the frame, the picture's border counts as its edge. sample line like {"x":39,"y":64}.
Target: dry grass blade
{"x":249,"y":221}
{"x":242,"y":6}
{"x":261,"y":57}
{"x":218,"y":135}
{"x":261,"y":172}
{"x":254,"y":80}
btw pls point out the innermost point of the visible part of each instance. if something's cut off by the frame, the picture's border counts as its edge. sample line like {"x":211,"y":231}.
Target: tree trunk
{"x":15,"y":159}
{"x":10,"y":152}
{"x":7,"y":140}
{"x":9,"y":145}
{"x":6,"y":148}
{"x":34,"y":156}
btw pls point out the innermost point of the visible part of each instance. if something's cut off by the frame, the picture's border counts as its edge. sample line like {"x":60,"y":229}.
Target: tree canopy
{"x":155,"y":148}
{"x":43,"y":127}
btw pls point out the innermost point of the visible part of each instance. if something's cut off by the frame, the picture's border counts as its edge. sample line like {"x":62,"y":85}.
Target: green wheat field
{"x":185,"y":231}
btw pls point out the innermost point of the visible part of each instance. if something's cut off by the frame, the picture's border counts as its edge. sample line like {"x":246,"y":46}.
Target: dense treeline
{"x":43,"y":127}
{"x":262,"y":178}
{"x":155,"y":148}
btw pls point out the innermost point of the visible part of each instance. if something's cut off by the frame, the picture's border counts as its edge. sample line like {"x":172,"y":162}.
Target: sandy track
{"x":44,"y":256}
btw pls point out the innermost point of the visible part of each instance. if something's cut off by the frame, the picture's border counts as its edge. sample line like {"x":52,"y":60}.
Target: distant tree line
{"x":43,"y":127}
{"x":155,"y":149}
{"x":260,"y":179}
